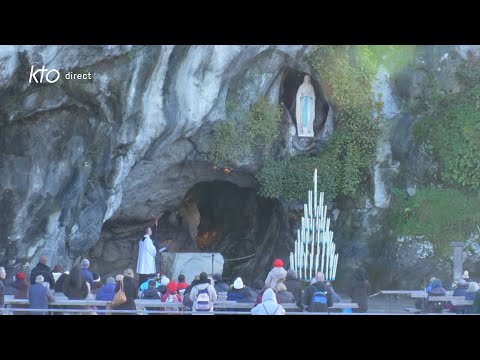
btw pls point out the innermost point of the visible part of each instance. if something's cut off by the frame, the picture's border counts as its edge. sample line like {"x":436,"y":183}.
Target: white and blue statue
{"x":305,"y":108}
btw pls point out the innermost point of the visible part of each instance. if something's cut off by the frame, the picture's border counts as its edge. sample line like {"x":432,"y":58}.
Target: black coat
{"x":295,"y":287}
{"x":44,"y":270}
{"x":359,"y":294}
{"x":60,"y":283}
{"x":75,"y":293}
{"x":2,"y":294}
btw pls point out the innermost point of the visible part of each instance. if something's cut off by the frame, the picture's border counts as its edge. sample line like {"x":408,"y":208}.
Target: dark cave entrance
{"x":226,"y":216}
{"x":219,"y":216}
{"x":292,"y":80}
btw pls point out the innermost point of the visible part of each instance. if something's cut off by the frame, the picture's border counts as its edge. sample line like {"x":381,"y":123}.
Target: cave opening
{"x":221,"y":217}
{"x":292,"y":80}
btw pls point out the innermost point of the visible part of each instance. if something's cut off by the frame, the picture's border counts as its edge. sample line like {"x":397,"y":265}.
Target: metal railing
{"x":9,"y":311}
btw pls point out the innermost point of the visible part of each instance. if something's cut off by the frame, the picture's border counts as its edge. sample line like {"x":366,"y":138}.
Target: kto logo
{"x":51,"y":78}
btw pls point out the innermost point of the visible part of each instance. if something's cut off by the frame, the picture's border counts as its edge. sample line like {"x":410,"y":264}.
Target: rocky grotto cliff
{"x":85,"y":164}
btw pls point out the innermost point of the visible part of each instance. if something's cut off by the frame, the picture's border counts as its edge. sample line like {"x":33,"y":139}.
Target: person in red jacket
{"x":182,"y":285}
{"x":172,"y":296}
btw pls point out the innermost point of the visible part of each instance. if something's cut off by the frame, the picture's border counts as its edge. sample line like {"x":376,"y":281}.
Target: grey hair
{"x":320,"y":276}
{"x":85,"y":263}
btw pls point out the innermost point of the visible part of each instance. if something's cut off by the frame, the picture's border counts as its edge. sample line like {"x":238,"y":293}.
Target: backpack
{"x":172,"y":298}
{"x":202,"y":301}
{"x":319,"y":302}
{"x":436,"y":306}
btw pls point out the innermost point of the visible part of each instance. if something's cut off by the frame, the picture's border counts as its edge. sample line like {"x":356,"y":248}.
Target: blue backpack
{"x":319,"y":302}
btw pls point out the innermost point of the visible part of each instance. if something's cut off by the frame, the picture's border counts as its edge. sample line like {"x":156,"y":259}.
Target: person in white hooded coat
{"x":269,"y":305}
{"x":146,"y":257}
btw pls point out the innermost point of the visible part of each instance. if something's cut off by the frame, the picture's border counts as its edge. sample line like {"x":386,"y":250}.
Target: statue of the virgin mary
{"x":305,"y":108}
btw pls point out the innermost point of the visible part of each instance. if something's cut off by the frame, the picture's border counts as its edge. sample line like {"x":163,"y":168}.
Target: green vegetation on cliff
{"x":440,"y":215}
{"x":451,"y":133}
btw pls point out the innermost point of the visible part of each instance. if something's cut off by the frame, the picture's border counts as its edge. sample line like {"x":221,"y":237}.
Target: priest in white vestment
{"x":146,"y":257}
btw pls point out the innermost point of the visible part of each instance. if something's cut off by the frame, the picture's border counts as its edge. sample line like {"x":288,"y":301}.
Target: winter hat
{"x":20,"y":276}
{"x":164,"y":281}
{"x":85,"y":263}
{"x":278,"y":263}
{"x":465,"y":275}
{"x":128,"y":273}
{"x":39,"y":279}
{"x":171,"y":286}
{"x":119,"y":277}
{"x":238,"y":283}
{"x":110,"y":281}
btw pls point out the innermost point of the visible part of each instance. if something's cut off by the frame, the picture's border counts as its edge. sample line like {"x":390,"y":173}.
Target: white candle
{"x":305,"y":261}
{"x":311,"y":254}
{"x":309,"y":203}
{"x":300,"y":260}
{"x":329,"y":257}
{"x":332,"y":258}
{"x":335,"y":267}
{"x":296,"y":250}
{"x":315,"y":188}
{"x":325,"y":214}
{"x":323,"y":251}
{"x":323,"y":219}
